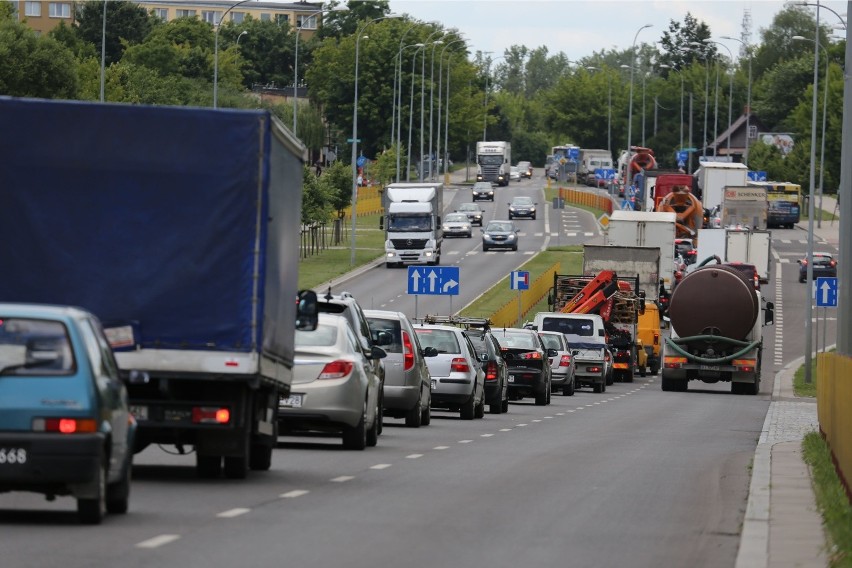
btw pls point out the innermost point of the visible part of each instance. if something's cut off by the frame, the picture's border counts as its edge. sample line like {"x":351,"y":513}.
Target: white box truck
{"x":493,"y":162}
{"x":714,"y":176}
{"x":646,"y":229}
{"x":412,"y":223}
{"x":750,"y":247}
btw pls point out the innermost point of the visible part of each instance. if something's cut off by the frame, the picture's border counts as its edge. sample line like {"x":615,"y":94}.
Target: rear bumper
{"x":51,"y":461}
{"x":560,"y":379}
{"x":401,"y":398}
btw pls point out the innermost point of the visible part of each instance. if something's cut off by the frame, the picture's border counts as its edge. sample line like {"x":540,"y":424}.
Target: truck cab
{"x":412,"y":223}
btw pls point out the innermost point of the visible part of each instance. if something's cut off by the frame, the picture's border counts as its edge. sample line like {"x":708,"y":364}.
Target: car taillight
{"x":833,"y":263}
{"x":565,"y":361}
{"x":674,"y":362}
{"x":65,"y":425}
{"x":491,"y":371}
{"x":656,"y":338}
{"x":210,"y":415}
{"x":336,"y":370}
{"x":531,"y":355}
{"x":607,"y":357}
{"x":407,"y":351}
{"x":756,"y":282}
{"x":459,"y":365}
{"x":804,"y":262}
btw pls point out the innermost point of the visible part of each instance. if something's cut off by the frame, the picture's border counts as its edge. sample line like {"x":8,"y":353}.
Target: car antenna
{"x":328,"y":295}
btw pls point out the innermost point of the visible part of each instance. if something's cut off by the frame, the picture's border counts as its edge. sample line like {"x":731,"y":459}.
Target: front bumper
{"x":522,"y":213}
{"x":410,"y":256}
{"x":507,"y":242}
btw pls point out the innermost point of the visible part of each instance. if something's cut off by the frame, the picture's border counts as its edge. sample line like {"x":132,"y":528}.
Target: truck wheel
{"x":467,"y":410}
{"x":236,"y":467}
{"x":609,"y":379}
{"x":260,"y":457}
{"x":355,"y":438}
{"x":642,"y":371}
{"x":753,"y":388}
{"x":208,"y":467}
{"x":627,"y":376}
{"x":655,"y":368}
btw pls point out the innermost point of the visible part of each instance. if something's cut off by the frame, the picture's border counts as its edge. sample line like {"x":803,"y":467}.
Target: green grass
{"x":498,"y":295}
{"x":832,"y":501}
{"x":331,"y":263}
{"x":800,"y":387}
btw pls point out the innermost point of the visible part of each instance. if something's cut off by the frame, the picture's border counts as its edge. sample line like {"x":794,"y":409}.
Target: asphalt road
{"x":632,"y":477}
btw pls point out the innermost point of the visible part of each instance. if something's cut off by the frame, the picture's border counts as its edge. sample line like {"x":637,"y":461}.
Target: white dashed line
{"x":380,"y":466}
{"x":505,"y":429}
{"x":539,"y":234}
{"x":441,"y":448}
{"x":522,"y":424}
{"x":293,"y":494}
{"x":230,"y":513}
{"x":529,"y":252}
{"x":157,"y":541}
{"x":548,"y":417}
{"x":561,"y":413}
{"x":536,"y":420}
{"x":590,"y":405}
{"x":485,"y":435}
{"x":588,"y":234}
{"x":554,"y":234}
{"x":342,"y":479}
{"x":414,"y":456}
{"x":465,"y":441}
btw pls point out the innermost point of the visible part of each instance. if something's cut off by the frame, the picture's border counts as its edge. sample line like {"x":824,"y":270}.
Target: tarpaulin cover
{"x":156,"y":216}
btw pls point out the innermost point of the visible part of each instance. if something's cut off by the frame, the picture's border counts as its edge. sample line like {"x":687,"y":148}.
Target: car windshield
{"x":415,"y":222}
{"x":443,"y":340}
{"x":325,"y":335}
{"x":498,"y":227}
{"x":514,"y":168}
{"x":482,"y":185}
{"x":490,"y":160}
{"x":34,"y":347}
{"x":822,"y":259}
{"x":469,"y":207}
{"x":551,"y":341}
{"x":456,"y":218}
{"x":522,"y":201}
{"x":508,"y":340}
{"x":572,"y":326}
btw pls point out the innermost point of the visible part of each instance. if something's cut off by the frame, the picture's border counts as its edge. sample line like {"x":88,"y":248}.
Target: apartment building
{"x":44,"y":15}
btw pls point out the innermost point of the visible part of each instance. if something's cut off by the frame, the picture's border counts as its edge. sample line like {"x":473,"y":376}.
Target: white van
{"x":587,"y":339}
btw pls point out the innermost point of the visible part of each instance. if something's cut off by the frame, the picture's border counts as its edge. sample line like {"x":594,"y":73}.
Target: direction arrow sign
{"x":434,"y":280}
{"x":826,"y":292}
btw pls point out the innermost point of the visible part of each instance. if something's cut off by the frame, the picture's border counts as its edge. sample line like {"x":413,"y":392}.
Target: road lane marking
{"x":414,"y":456}
{"x":560,"y":413}
{"x":380,"y":466}
{"x":342,"y":479}
{"x":548,"y":417}
{"x":293,"y":494}
{"x":157,"y":541}
{"x":441,"y":448}
{"x":505,"y":429}
{"x":231,"y":513}
{"x":529,"y":252}
{"x":536,"y":420}
{"x":465,"y":441}
{"x":539,"y":234}
{"x":522,"y":424}
{"x":588,"y":234}
{"x":485,"y":435}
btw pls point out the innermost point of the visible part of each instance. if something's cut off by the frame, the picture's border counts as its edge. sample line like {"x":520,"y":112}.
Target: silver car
{"x":458,"y":381}
{"x":562,"y":375}
{"x":457,"y":225}
{"x":334,"y":389}
{"x":407,"y":389}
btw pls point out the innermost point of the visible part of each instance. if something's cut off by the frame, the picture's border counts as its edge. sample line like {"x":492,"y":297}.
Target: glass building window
{"x":32,"y":9}
{"x":59,"y":10}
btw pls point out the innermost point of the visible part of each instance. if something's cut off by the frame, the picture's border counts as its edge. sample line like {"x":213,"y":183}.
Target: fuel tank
{"x":714,"y":300}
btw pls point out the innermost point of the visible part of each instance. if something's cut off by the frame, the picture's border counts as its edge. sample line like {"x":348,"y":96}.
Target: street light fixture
{"x":360,"y":30}
{"x":399,"y":111}
{"x":609,"y":109}
{"x":706,"y":93}
{"x":730,"y":93}
{"x":629,"y":175}
{"x":747,"y":49}
{"x":824,"y":108}
{"x":216,"y":53}
{"x":339,"y":8}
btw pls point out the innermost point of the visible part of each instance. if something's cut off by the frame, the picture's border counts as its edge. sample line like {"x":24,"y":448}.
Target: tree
{"x":340,"y":23}
{"x":35,"y":66}
{"x":316,"y":203}
{"x":778,"y":45}
{"x":781,"y":89}
{"x":268,"y":51}
{"x":543,"y":71}
{"x":338,"y":178}
{"x":677,"y":49}
{"x":127,"y":24}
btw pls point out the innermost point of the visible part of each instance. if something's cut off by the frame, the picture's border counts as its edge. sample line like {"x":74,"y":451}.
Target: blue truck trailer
{"x":179,"y":229}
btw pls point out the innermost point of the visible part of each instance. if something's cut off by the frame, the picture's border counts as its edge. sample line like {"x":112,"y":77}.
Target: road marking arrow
{"x":450,"y":284}
{"x":415,"y":277}
{"x":432,"y":278}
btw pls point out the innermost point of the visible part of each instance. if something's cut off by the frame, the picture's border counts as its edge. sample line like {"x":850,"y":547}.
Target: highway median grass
{"x":334,"y":262}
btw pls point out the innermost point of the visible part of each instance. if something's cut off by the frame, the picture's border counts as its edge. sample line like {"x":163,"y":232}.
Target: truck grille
{"x":490,"y":171}
{"x":409,"y":244}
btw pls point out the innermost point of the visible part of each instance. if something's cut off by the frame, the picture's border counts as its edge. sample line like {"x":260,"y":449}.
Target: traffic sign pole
{"x":519,"y":307}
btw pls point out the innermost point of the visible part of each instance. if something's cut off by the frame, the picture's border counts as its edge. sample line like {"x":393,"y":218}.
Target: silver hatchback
{"x":458,"y":381}
{"x":562,"y":375}
{"x":407,"y":389}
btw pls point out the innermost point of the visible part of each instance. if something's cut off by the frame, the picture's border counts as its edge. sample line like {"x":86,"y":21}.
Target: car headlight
{"x":465,"y":226}
{"x":532,"y":209}
{"x":511,"y":208}
{"x":511,"y":237}
{"x":446,"y":228}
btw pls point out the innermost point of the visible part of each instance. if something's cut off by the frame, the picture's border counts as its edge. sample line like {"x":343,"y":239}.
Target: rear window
{"x":822,"y":260}
{"x":573,"y":326}
{"x":35,"y":347}
{"x":516,"y":340}
{"x":324,"y":335}
{"x":551,"y":341}
{"x":390,"y":326}
{"x":443,"y":340}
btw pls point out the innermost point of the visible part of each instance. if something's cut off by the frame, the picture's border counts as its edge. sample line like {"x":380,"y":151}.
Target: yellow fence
{"x":507,"y":316}
{"x":834,"y":407}
{"x":369,"y":202}
{"x":587,"y":198}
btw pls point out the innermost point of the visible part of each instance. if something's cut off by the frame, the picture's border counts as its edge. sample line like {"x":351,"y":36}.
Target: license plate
{"x":708,"y":367}
{"x":13,"y":456}
{"x":434,"y":384}
{"x":292,"y":401}
{"x":139,"y":412}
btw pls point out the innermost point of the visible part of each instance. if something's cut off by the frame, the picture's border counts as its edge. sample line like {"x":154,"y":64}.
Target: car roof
{"x":522,"y":198}
{"x":454,"y":329}
{"x":385,"y":314}
{"x":46,"y":311}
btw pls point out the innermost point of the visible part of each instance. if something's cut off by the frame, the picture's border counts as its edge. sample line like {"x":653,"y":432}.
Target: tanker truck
{"x":717,"y":320}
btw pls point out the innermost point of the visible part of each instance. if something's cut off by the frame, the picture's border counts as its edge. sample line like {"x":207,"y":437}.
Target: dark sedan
{"x":499,"y":234}
{"x":527,"y":358}
{"x":473,"y":211}
{"x":522,"y":206}
{"x":823,"y":265}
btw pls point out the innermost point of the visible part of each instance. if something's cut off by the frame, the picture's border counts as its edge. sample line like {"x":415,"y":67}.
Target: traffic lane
{"x":672,"y":489}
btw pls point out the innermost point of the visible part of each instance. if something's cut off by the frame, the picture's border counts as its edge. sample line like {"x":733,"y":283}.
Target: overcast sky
{"x":580,"y":27}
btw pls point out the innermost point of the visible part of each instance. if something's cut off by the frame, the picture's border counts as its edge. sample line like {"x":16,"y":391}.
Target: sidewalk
{"x":830,"y":230}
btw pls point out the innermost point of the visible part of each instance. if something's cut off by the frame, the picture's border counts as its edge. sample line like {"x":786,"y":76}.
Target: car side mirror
{"x":483,"y":357}
{"x":517,"y":231}
{"x":377,"y":353}
{"x":552,"y":352}
{"x":575,"y":352}
{"x":481,"y":230}
{"x":307,"y":314}
{"x":769,"y":316}
{"x":430,"y":352}
{"x":381,"y":221}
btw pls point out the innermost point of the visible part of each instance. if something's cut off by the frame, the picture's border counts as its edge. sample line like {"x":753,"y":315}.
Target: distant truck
{"x":713,"y":177}
{"x":591,"y":160}
{"x":179,"y":229}
{"x":745,"y":207}
{"x":654,"y":185}
{"x":646,"y":229}
{"x":493,"y":162}
{"x":736,"y":245}
{"x":717,"y":320}
{"x":412,"y":223}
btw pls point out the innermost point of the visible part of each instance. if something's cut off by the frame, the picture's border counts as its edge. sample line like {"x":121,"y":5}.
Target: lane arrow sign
{"x":449,"y":284}
{"x":825,"y":290}
{"x":415,"y":279}
{"x":432,"y":278}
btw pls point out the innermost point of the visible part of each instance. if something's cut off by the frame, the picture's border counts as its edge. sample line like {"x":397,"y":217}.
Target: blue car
{"x":65,"y":426}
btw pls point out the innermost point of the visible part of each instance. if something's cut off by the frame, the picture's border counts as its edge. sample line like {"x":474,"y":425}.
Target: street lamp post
{"x":216,"y":54}
{"x":440,"y":98}
{"x":339,"y":8}
{"x":432,"y":106}
{"x":399,"y":111}
{"x":822,"y":143}
{"x":730,"y":92}
{"x":706,"y":94}
{"x":680,"y":72}
{"x":608,"y":109}
{"x":103,"y":53}
{"x":747,"y":49}
{"x":411,"y":111}
{"x":355,"y":136}
{"x":396,"y":109}
{"x":629,"y":175}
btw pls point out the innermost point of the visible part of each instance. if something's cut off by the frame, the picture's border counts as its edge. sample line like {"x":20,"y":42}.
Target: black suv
{"x":527,"y":358}
{"x":344,"y":304}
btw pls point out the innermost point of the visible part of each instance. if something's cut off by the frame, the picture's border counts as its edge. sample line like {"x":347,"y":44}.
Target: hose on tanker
{"x":708,"y":259}
{"x":747,"y":346}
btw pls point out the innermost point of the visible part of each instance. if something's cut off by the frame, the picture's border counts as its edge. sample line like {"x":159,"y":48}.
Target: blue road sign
{"x":361,"y":161}
{"x":682,"y":156}
{"x":573,"y":153}
{"x":756,"y":176}
{"x":434,"y":280}
{"x":826,"y":292}
{"x":519,"y":280}
{"x":681,"y":164}
{"x":604,"y":173}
